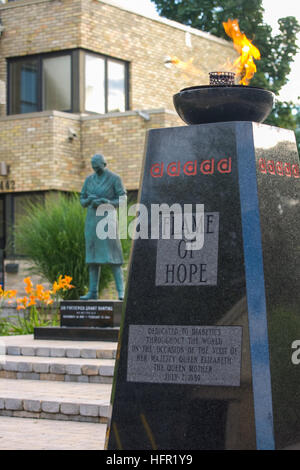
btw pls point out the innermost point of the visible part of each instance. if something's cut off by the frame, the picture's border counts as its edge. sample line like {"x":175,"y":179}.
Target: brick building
{"x":77,"y":76}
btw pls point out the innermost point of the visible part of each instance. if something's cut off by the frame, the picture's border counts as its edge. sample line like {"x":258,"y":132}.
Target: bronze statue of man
{"x":101,"y":187}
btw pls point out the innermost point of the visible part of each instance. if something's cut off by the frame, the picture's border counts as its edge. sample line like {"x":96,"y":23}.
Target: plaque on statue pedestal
{"x":91,"y":313}
{"x":94,"y":320}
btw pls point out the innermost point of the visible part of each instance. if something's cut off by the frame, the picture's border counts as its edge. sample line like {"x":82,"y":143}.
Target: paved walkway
{"x":42,"y":434}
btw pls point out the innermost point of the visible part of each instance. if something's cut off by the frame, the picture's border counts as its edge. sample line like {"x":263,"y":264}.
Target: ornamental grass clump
{"x":51,"y":235}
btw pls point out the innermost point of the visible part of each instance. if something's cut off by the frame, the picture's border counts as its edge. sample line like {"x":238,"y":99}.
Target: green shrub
{"x":52,"y":236}
{"x":4,"y":327}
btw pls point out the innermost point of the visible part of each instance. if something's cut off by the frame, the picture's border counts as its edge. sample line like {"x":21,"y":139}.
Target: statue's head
{"x":98,"y":163}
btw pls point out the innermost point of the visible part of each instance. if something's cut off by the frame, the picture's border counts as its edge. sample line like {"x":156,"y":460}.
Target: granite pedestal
{"x":208,"y":354}
{"x":92,"y":320}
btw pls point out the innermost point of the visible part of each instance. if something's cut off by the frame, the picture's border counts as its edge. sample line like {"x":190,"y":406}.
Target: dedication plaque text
{"x":86,"y":313}
{"x":199,"y":355}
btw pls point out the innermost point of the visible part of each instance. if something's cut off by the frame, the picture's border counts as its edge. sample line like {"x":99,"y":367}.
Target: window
{"x":57,"y":83}
{"x":24,"y":86}
{"x":40,"y":83}
{"x":116,"y":86}
{"x":12,"y":208}
{"x":73,"y":81}
{"x":94,"y":84}
{"x":105,"y":84}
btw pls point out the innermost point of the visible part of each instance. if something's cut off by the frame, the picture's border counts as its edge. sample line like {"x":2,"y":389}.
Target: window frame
{"x":10,"y":77}
{"x":106,"y":59}
{"x":77,"y":78}
{"x":42,"y":81}
{"x":39,"y":58}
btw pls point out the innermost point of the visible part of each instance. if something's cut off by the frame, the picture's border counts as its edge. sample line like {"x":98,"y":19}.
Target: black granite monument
{"x":208,"y":351}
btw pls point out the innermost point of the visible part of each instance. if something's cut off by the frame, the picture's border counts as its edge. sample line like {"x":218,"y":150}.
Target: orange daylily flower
{"x":29,"y":285}
{"x":7,"y":293}
{"x":63,"y":283}
{"x":22,"y":303}
{"x":32,"y":300}
{"x":39,"y":293}
{"x":12,"y":293}
{"x":47,"y":297}
{"x":55,"y":287}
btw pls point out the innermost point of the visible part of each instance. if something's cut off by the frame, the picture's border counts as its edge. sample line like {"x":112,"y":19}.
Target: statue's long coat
{"x":109,"y":186}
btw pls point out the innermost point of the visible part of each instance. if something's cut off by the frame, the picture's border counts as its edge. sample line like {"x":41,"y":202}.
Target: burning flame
{"x":188,"y":68}
{"x":244,"y":65}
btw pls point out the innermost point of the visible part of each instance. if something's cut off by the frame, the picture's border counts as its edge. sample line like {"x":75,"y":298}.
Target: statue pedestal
{"x":86,"y":320}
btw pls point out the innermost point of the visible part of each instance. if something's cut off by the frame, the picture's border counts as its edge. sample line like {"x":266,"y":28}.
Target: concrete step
{"x":84,"y":402}
{"x":26,"y":345}
{"x":43,"y":434}
{"x":61,"y":369}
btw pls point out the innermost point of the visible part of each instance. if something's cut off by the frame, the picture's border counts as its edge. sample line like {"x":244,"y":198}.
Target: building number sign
{"x":7,"y":185}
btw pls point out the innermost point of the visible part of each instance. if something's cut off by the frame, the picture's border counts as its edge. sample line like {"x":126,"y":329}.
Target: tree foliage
{"x":285,"y":113}
{"x":277,"y":51}
{"x":297,"y":131}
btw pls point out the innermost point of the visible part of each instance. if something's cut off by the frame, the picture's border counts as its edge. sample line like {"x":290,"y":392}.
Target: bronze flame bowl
{"x":207,"y":104}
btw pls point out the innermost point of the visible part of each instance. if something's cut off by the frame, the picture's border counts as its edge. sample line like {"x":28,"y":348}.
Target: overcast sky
{"x":274,"y":9}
